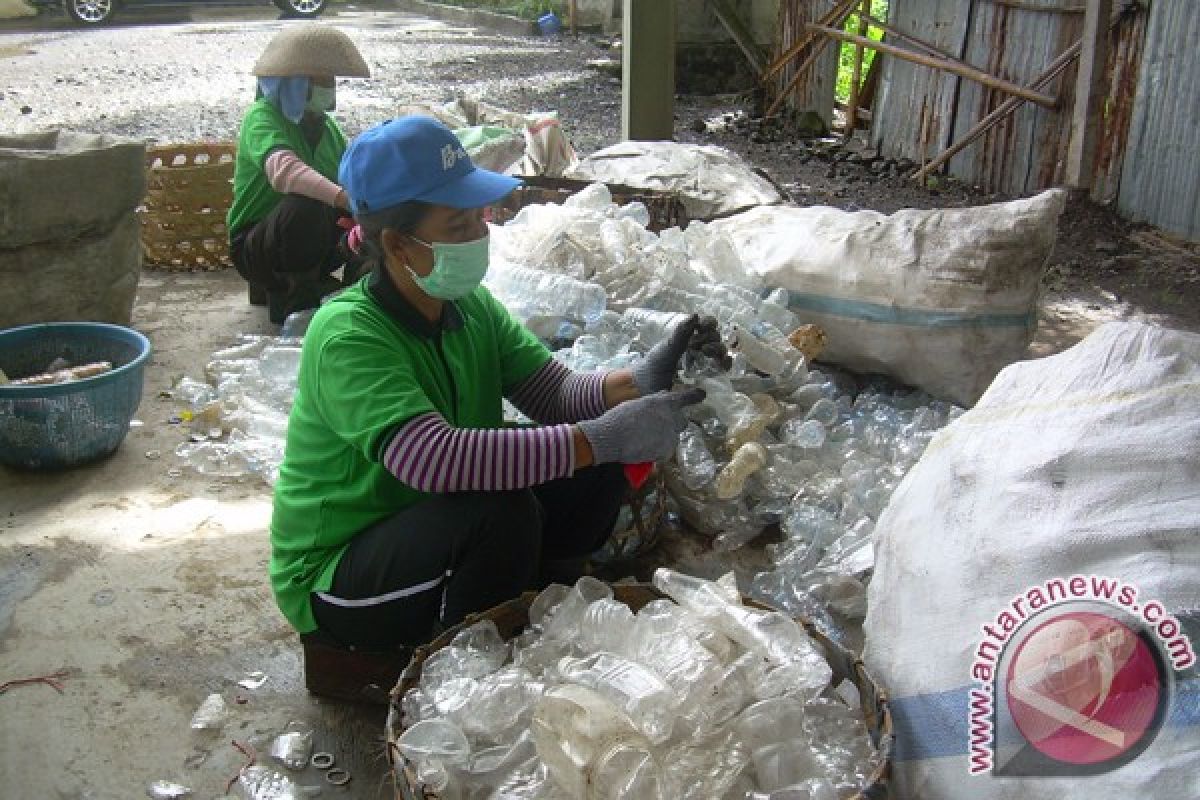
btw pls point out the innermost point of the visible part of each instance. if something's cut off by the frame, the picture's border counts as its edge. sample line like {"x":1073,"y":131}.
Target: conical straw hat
{"x":311,"y":49}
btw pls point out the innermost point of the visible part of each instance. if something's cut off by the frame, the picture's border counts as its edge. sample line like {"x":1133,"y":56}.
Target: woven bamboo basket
{"x":188,"y":193}
{"x":666,"y":208}
{"x":512,"y":617}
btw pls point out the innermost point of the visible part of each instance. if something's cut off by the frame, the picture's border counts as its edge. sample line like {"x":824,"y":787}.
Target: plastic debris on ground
{"x":695,"y":695}
{"x":211,"y":714}
{"x":168,"y":790}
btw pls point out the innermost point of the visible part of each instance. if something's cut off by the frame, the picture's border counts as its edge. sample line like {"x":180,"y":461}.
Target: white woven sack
{"x":938,"y":299}
{"x":1043,"y":557}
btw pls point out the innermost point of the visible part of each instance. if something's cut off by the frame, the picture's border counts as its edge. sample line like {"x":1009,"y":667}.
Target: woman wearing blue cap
{"x":403,"y":501}
{"x":283,"y":223}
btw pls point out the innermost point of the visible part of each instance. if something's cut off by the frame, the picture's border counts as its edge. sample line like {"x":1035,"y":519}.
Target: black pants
{"x":428,"y":566}
{"x":288,"y":255}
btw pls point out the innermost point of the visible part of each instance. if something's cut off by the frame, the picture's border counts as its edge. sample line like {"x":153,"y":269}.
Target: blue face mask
{"x":458,"y":268}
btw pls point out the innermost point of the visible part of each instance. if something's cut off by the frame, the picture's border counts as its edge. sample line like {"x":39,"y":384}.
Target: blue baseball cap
{"x":416,"y":158}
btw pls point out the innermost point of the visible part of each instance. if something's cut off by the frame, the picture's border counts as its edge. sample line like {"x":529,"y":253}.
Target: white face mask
{"x":321,"y":99}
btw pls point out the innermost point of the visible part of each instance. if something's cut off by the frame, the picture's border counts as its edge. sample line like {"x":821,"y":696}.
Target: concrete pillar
{"x":648,"y":82}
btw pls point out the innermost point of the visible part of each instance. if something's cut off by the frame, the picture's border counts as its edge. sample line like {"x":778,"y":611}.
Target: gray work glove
{"x":640,"y":430}
{"x":656,"y":372}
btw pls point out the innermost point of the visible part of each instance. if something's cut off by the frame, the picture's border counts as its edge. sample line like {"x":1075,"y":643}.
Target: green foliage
{"x":879,"y":10}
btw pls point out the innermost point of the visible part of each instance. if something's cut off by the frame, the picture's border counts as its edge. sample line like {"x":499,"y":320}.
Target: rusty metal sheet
{"x":1027,"y":150}
{"x":1160,"y":178}
{"x":913,"y":113}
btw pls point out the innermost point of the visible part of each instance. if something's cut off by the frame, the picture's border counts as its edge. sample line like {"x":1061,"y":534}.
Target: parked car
{"x":98,"y":12}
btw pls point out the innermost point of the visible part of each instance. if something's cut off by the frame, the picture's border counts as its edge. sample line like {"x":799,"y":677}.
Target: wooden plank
{"x":742,"y":36}
{"x":866,"y":98}
{"x":856,"y":73}
{"x":971,"y":73}
{"x":1090,"y":94}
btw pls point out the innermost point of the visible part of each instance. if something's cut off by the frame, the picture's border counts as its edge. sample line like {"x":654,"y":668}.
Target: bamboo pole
{"x":971,"y":73}
{"x":571,"y":9}
{"x":835,"y":16}
{"x":1056,"y":68}
{"x":844,"y":10}
{"x":856,"y":73}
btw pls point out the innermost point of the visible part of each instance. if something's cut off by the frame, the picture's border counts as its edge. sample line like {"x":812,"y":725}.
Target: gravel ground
{"x":183,"y":75}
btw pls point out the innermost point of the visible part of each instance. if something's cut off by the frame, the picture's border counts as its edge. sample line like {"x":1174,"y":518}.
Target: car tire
{"x":296,"y":9}
{"x":90,"y":12}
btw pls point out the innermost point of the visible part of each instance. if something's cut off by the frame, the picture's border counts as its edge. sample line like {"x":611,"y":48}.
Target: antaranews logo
{"x":1073,"y":677}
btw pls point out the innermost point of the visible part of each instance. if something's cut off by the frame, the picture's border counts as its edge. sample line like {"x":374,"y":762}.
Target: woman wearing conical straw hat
{"x":288,"y":211}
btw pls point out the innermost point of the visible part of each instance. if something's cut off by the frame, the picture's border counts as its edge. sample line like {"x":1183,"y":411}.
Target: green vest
{"x":264,"y":129}
{"x":364,"y":372}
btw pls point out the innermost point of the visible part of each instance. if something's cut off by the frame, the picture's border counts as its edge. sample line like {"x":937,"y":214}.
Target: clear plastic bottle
{"x":648,"y":326}
{"x":293,"y":747}
{"x":592,"y":750}
{"x":533,"y":292}
{"x":824,"y":411}
{"x":433,"y":745}
{"x":751,"y":428}
{"x":808,"y":434}
{"x":561,"y":620}
{"x":761,"y":355}
{"x":775,"y":312}
{"x":639,"y":692}
{"x":260,"y":783}
{"x":696,"y":464}
{"x":749,"y":458}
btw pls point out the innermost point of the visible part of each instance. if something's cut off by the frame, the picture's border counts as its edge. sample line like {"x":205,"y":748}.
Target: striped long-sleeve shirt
{"x":429,"y":454}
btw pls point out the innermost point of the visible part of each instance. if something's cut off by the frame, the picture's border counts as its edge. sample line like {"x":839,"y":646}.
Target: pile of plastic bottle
{"x":777,"y":444}
{"x":698,"y":696}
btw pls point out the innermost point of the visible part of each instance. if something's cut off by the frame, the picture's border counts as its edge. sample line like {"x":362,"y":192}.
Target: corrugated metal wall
{"x":914,"y":111}
{"x":922,"y":110}
{"x":1160,"y":182}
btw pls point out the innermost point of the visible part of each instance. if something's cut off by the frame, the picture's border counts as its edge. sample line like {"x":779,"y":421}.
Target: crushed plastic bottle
{"x":646,"y":698}
{"x":617,"y":704}
{"x":748,"y":459}
{"x":168,"y":790}
{"x":696,"y":463}
{"x":211,"y":714}
{"x":260,"y":783}
{"x":293,"y":747}
{"x":592,"y":750}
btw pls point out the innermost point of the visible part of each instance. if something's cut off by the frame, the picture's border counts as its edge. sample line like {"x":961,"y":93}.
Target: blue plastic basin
{"x":66,"y":424}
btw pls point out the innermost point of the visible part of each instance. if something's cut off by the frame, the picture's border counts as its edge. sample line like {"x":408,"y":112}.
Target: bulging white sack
{"x":1042,"y":559}
{"x":711,"y":181}
{"x":937,"y":299}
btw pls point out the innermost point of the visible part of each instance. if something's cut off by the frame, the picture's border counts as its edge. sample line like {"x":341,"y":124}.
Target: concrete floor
{"x":150,"y":591}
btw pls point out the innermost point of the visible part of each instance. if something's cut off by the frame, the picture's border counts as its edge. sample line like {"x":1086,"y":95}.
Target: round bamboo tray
{"x":513,"y":617}
{"x":188,"y":193}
